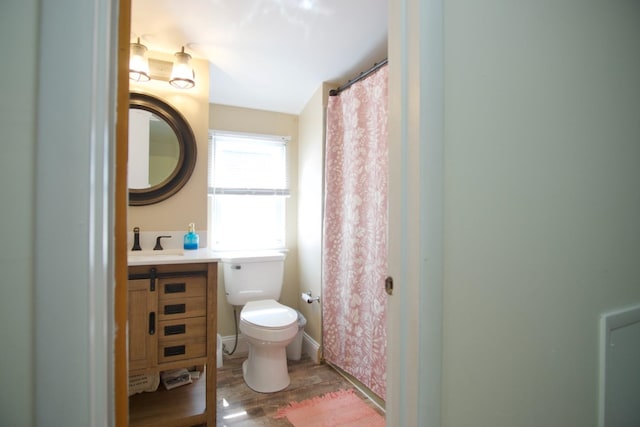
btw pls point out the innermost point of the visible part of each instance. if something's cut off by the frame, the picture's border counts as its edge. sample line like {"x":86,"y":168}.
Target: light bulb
{"x":182,"y":75}
{"x":138,"y":63}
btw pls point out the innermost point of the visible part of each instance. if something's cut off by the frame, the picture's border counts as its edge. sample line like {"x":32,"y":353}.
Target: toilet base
{"x":265,"y":371}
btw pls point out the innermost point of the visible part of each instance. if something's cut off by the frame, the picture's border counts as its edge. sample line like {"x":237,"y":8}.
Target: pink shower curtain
{"x":355,"y":232}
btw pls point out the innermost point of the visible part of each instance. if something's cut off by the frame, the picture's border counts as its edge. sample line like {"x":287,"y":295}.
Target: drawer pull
{"x":176,"y":350}
{"x":152,"y":280}
{"x":175,"y":288}
{"x":175,"y":329}
{"x":152,"y":323}
{"x":175,"y":308}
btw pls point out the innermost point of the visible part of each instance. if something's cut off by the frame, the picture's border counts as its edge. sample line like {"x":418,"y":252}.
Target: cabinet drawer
{"x":180,"y":329}
{"x":181,"y":308}
{"x":171,"y":351}
{"x":182,"y":287}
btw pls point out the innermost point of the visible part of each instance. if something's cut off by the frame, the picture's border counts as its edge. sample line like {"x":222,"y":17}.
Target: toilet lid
{"x":268,"y":314}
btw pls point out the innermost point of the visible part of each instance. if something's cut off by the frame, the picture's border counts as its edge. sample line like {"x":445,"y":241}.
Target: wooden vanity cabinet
{"x":172,"y":324}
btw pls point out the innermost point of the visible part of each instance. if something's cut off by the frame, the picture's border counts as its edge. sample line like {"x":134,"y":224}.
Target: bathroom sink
{"x":152,"y":253}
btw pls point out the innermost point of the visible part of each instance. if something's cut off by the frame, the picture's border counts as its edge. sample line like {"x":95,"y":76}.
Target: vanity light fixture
{"x":182,"y":75}
{"x":138,"y":63}
{"x":179,"y":74}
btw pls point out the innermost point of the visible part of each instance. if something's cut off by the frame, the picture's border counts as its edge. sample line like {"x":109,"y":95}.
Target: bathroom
{"x":303,"y":207}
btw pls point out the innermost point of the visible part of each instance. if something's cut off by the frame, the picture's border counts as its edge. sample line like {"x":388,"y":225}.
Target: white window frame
{"x":281,"y":192}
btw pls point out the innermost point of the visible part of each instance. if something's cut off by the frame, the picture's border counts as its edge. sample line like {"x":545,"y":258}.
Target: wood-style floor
{"x":239,"y":406}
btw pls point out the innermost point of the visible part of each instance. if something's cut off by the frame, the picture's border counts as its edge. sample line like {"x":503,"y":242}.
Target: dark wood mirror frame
{"x":188,"y":151}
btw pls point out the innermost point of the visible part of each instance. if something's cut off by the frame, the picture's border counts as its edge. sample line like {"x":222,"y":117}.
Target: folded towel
{"x":143,"y":382}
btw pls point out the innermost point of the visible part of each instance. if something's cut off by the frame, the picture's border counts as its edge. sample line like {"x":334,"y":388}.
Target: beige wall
{"x":190,"y":203}
{"x":310,"y":205}
{"x":222,"y":117}
{"x":542,"y":230}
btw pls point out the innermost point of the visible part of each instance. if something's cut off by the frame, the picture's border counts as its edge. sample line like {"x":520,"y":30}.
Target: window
{"x":247,"y":191}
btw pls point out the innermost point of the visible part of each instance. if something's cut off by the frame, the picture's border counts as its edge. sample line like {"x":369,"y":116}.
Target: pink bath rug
{"x":337,"y":409}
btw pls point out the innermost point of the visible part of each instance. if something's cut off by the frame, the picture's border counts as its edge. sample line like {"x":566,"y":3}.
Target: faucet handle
{"x":158,"y":246}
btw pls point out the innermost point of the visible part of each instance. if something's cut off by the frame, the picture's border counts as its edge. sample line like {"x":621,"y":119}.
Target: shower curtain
{"x":354,"y":249}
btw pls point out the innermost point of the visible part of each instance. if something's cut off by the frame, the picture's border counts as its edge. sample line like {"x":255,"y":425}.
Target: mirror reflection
{"x":162,"y":150}
{"x":154,"y":149}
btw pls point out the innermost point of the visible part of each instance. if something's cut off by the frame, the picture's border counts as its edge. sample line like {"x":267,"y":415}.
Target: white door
{"x":73,"y":220}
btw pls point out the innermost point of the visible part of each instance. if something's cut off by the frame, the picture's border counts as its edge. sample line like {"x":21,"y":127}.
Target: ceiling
{"x":267,"y":54}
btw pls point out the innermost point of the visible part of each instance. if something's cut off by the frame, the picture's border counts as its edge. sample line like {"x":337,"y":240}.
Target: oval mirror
{"x":162,"y":150}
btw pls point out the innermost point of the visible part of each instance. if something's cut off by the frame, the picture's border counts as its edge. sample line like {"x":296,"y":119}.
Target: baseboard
{"x":309,"y":346}
{"x":229,"y":341}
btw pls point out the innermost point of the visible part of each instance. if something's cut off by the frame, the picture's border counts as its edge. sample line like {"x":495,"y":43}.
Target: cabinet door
{"x":143,"y":323}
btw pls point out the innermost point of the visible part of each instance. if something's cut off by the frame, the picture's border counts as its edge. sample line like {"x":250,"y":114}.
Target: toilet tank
{"x":252,"y":276}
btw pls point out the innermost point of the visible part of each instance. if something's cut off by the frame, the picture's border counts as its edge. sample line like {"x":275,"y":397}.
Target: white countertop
{"x":189,"y":257}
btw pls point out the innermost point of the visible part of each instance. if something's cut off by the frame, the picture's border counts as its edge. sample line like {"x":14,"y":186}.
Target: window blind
{"x":248,"y":164}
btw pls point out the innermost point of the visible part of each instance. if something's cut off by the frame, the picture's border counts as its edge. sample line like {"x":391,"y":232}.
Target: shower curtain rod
{"x":362,"y":75}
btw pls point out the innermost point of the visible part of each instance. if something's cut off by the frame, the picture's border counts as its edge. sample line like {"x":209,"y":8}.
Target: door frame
{"x":416,"y":206}
{"x":74,"y":218}
{"x":120,"y":306}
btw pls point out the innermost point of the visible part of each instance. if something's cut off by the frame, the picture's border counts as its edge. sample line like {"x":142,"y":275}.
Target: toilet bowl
{"x":268,"y":327}
{"x":254,"y":281}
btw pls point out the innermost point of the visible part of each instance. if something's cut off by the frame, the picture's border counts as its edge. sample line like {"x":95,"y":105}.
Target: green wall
{"x":18,"y":38}
{"x":542,"y":204}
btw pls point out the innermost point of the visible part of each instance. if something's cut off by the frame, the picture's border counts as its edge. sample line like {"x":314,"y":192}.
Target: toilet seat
{"x":269,"y":322}
{"x":268,"y":314}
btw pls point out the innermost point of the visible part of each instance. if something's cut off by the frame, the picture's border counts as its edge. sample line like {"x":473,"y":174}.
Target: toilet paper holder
{"x":309,"y":298}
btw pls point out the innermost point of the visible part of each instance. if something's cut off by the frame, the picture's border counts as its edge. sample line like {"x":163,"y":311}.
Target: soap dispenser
{"x":191,"y":239}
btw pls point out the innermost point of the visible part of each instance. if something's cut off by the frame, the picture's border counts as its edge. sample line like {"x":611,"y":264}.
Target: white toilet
{"x":254,"y":281}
